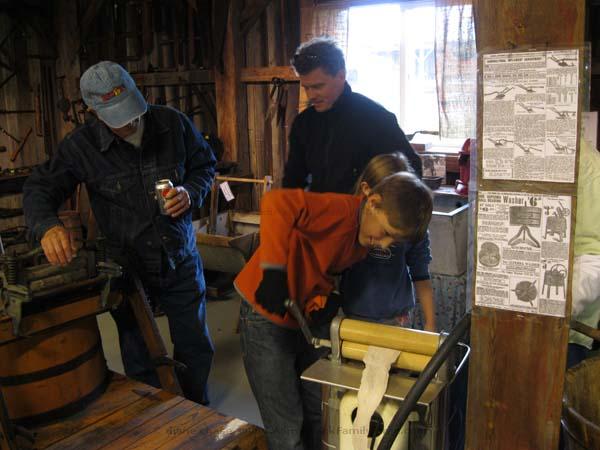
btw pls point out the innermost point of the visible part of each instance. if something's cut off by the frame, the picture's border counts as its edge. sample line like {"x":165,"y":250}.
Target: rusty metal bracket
{"x":13,"y":296}
{"x":110,"y":270}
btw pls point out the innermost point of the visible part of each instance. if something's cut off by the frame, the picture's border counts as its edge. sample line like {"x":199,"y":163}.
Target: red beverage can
{"x":161,"y":189}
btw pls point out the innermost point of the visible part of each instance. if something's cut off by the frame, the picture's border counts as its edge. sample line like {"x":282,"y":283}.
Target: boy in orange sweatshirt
{"x":306,"y":239}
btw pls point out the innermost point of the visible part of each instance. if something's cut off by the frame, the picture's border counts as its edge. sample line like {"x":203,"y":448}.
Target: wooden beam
{"x":204,"y":76}
{"x":68,"y":68}
{"x":251,"y":14}
{"x":90,"y":15}
{"x":230,"y":94}
{"x":516,"y":372}
{"x":220,"y":14}
{"x":266,"y":74}
{"x":198,"y":76}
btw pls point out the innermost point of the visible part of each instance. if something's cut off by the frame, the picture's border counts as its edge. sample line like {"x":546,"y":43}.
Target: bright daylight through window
{"x":391,"y":59}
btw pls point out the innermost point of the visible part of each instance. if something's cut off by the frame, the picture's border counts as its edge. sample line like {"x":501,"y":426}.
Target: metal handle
{"x":294,"y":310}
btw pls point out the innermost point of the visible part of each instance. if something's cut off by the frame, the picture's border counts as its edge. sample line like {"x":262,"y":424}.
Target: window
{"x":390,"y":57}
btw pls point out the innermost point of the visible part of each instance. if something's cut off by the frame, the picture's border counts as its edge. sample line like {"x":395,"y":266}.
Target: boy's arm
{"x":418,"y":258}
{"x":424,"y":291}
{"x":282,"y":212}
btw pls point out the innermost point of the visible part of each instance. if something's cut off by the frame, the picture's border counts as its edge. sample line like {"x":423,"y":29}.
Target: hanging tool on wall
{"x":7,"y":79}
{"x":21,"y":145}
{"x":6,"y":133}
{"x":37,"y":103}
{"x":278,"y":106}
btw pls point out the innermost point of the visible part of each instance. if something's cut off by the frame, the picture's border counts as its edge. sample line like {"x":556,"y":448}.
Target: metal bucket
{"x":581,"y":408}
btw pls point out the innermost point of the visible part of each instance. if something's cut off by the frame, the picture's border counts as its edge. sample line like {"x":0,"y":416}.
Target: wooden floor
{"x":132,"y":415}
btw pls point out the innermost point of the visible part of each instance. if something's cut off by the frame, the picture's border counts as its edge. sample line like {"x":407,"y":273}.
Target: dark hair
{"x":407,"y":202}
{"x":381,"y":166}
{"x":320,"y":52}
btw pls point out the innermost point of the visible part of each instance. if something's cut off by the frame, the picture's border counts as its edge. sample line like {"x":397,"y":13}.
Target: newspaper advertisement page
{"x":530,"y":115}
{"x":523,"y":244}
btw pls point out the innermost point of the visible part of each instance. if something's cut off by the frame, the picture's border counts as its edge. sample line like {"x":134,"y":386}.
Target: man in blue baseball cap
{"x":119,"y":154}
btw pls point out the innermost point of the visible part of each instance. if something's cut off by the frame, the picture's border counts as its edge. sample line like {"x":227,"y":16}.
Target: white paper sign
{"x":226,"y":190}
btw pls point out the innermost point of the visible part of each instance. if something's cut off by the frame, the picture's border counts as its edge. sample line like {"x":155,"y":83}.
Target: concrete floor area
{"x":229,"y":389}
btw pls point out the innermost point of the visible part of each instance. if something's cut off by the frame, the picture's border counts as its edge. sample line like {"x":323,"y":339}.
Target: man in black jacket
{"x":332,"y":140}
{"x":119,"y":155}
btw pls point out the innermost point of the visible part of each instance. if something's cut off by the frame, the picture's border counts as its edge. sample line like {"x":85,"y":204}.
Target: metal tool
{"x":21,"y":145}
{"x":110,"y":270}
{"x":27,"y":277}
{"x":5,"y":132}
{"x":297,"y":314}
{"x":13,"y":297}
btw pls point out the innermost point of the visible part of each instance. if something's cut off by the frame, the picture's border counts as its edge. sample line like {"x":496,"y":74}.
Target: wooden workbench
{"x":130,"y":414}
{"x":134,"y":415}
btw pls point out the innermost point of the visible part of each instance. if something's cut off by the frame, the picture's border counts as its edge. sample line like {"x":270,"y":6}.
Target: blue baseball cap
{"x":108,"y":89}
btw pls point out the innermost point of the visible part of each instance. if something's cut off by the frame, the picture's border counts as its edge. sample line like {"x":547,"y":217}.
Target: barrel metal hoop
{"x":32,"y":377}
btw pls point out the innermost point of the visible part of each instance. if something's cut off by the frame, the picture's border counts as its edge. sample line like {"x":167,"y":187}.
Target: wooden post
{"x":156,"y":347}
{"x":259,"y":145}
{"x":68,"y":68}
{"x":230,"y":93}
{"x":517,"y":366}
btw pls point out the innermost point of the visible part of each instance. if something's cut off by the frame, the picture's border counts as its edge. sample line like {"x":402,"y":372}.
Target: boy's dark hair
{"x":318,"y":52}
{"x":407,"y":202}
{"x":381,"y":166}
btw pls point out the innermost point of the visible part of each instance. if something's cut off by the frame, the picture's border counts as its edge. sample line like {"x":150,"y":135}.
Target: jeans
{"x":274,"y":358}
{"x":181,"y":295}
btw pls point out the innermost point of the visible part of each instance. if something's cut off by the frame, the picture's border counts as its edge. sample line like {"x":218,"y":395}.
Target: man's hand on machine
{"x":273,"y":291}
{"x":59,"y":245}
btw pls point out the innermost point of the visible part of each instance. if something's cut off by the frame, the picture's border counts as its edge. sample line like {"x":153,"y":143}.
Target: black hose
{"x":422,"y":382}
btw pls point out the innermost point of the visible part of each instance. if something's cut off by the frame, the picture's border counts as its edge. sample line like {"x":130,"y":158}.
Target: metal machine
{"x":27,"y":277}
{"x":420,"y":352}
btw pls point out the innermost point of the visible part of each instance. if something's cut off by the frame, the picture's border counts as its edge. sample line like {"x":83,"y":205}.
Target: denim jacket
{"x":120,"y":182}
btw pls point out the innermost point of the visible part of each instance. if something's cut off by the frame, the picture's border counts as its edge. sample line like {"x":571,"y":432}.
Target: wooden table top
{"x":132,"y":415}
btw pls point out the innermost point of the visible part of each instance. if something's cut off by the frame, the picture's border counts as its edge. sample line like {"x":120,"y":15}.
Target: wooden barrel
{"x":581,"y":409}
{"x":53,"y":374}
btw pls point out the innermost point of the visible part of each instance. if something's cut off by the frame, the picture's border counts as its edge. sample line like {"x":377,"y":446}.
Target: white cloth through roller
{"x":373,"y":385}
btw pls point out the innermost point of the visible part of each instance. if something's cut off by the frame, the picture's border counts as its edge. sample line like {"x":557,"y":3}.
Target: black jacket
{"x":330,"y":149}
{"x":120,"y":182}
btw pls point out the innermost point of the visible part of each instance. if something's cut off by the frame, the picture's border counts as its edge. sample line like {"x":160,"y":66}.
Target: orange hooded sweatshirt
{"x":312,"y":236}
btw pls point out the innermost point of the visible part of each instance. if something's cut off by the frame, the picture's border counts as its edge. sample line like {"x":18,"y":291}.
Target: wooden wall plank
{"x":266,"y":74}
{"x":517,"y":366}
{"x":68,"y":69}
{"x":259,"y":139}
{"x":230,"y":94}
{"x":278,"y":131}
